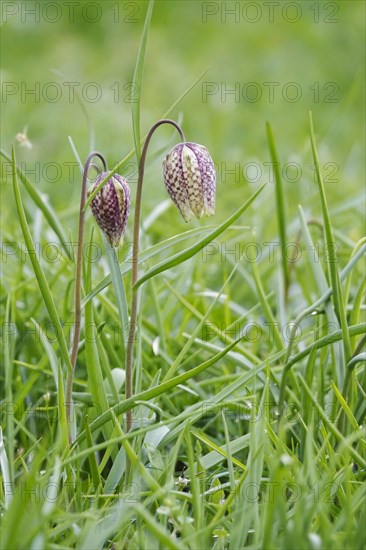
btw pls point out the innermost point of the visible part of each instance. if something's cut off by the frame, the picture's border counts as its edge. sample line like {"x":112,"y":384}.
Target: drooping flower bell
{"x":111,"y":206}
{"x":190,"y":178}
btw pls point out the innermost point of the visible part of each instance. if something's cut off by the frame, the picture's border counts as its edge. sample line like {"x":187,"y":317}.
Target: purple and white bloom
{"x":190,"y":178}
{"x":111,"y":206}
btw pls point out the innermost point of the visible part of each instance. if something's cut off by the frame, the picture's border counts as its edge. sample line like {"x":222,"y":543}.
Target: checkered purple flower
{"x":111,"y":206}
{"x":190,"y":178}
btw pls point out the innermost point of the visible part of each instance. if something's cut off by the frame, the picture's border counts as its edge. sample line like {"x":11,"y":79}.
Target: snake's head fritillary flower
{"x":111,"y":206}
{"x":190,"y":178}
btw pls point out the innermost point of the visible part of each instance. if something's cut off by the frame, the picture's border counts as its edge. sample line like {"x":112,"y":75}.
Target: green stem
{"x":135,"y":258}
{"x":79,"y":257}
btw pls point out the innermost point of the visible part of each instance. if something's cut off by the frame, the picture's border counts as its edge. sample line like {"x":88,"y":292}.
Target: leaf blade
{"x":188,"y":253}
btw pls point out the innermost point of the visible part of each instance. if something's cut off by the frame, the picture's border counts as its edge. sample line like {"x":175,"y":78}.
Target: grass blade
{"x":119,"y":289}
{"x":137,"y":81}
{"x":321,"y":283}
{"x":345,"y":408}
{"x":61,"y":407}
{"x":191,"y":251}
{"x":94,"y":371}
{"x":8,"y":353}
{"x":333,"y":268}
{"x":92,"y":458}
{"x":226,"y":452}
{"x":280,"y":205}
{"x":38,"y":271}
{"x":194,"y":484}
{"x":271,"y":321}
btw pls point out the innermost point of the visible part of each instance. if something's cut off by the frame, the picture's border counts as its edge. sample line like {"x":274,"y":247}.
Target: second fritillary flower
{"x":190,"y":178}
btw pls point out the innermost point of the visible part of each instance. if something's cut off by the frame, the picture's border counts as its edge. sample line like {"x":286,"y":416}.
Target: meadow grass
{"x":249,"y":381}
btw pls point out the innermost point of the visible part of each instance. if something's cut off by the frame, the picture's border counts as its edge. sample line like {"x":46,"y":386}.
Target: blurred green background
{"x":282,"y":59}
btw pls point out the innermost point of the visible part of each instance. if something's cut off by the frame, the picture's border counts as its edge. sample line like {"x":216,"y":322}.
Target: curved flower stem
{"x":79,"y":257}
{"x":135,"y":259}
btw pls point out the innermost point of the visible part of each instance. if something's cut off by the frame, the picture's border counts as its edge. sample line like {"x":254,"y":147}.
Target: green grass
{"x":249,"y":372}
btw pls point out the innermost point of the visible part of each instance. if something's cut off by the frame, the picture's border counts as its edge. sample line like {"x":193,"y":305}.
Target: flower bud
{"x":111,"y":206}
{"x":190,"y":178}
